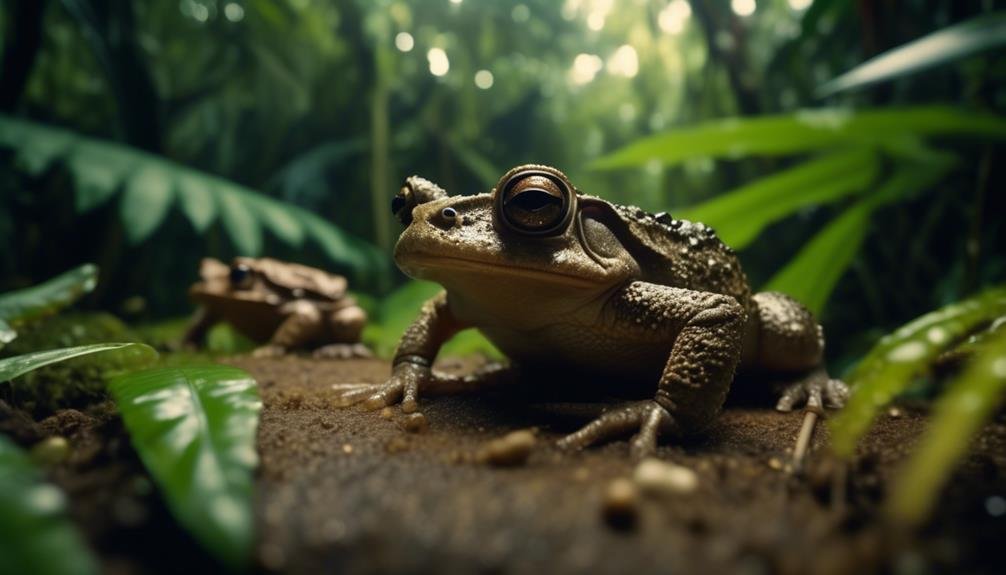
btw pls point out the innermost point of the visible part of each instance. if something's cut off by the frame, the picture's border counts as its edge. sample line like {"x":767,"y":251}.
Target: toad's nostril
{"x":449,"y":214}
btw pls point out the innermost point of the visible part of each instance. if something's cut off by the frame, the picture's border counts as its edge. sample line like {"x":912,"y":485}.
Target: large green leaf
{"x":12,"y":367}
{"x":898,"y":357}
{"x":24,"y":305}
{"x":801,"y":132}
{"x":740,"y":215}
{"x":194,"y":428}
{"x":146,"y":201}
{"x":152,"y":184}
{"x":811,"y":276}
{"x":239,"y":221}
{"x":941,"y":47}
{"x":957,"y":416}
{"x":36,"y":535}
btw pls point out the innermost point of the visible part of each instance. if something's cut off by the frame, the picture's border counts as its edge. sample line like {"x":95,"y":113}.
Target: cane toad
{"x":562,"y":281}
{"x":282,"y":306}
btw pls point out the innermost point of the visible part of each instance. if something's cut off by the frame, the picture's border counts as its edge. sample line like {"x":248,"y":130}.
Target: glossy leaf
{"x":941,"y":47}
{"x":7,"y":333}
{"x":801,"y":132}
{"x":36,"y":535}
{"x":811,"y":276}
{"x":958,"y":415}
{"x":12,"y":367}
{"x":194,"y":428}
{"x":26,"y":304}
{"x":900,"y":356}
{"x":146,"y":201}
{"x":740,"y":215}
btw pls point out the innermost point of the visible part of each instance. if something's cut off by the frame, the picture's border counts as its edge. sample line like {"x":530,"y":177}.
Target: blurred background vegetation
{"x":143,"y":136}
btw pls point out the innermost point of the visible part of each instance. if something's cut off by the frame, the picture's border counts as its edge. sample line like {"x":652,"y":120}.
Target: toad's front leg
{"x":411,"y":368}
{"x":704,"y":332}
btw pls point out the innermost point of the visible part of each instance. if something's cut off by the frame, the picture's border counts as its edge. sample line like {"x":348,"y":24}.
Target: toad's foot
{"x":269,"y":350}
{"x":649,"y":417}
{"x":342,"y":351}
{"x":815,"y":391}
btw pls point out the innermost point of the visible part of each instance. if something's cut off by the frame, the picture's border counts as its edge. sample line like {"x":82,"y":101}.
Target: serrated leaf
{"x":195,"y":196}
{"x":941,"y":47}
{"x":801,"y":132}
{"x":36,"y":147}
{"x":332,"y":241}
{"x":98,"y":169}
{"x":811,"y":276}
{"x":194,"y":428}
{"x":12,"y":367}
{"x":36,"y":535}
{"x":26,"y":304}
{"x":740,"y":215}
{"x":279,"y":219}
{"x":958,"y":415}
{"x":146,"y":201}
{"x":240,"y":222}
{"x":898,"y":357}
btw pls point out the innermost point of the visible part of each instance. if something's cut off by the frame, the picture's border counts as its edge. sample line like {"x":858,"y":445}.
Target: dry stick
{"x":810,"y":416}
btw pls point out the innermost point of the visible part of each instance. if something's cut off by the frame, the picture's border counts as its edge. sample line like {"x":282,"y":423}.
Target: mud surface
{"x":350,"y":491}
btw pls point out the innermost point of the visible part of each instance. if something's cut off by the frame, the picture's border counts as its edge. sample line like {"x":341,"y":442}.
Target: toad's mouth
{"x":420,"y":264}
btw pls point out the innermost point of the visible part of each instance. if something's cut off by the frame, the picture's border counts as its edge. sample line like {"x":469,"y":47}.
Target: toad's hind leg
{"x":704,"y":332}
{"x":784,"y":338}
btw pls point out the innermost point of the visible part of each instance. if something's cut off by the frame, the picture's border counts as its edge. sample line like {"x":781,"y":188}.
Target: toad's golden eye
{"x":535,"y":203}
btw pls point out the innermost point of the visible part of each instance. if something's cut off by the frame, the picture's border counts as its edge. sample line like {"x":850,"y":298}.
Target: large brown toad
{"x":572,"y":284}
{"x":282,"y":306}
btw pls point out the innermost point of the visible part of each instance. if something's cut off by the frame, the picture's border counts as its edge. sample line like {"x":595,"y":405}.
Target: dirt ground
{"x":350,"y":491}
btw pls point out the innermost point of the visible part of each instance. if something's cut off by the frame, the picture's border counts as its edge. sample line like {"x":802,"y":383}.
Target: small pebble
{"x":347,"y":448}
{"x":620,"y":506}
{"x":655,"y":476}
{"x":387,"y":413}
{"x":510,"y":450}
{"x":415,"y":423}
{"x":895,"y":412}
{"x":776,"y":463}
{"x":50,"y":451}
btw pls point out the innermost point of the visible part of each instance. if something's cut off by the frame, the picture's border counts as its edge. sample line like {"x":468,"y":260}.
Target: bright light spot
{"x":672,"y":18}
{"x":800,"y":4}
{"x":585,"y":67}
{"x":520,"y":13}
{"x":404,"y":42}
{"x":595,"y":21}
{"x":624,"y":62}
{"x":999,"y":367}
{"x":996,"y":506}
{"x":910,"y":351}
{"x":484,"y":79}
{"x":743,"y":7}
{"x":234,"y":12}
{"x":200,"y":12}
{"x":455,"y":1}
{"x":439,"y":64}
{"x":570,"y":8}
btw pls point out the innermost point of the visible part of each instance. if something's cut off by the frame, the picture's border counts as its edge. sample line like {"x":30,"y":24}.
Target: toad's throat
{"x":422,"y":263}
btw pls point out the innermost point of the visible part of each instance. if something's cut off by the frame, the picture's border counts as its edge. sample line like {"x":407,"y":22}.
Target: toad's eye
{"x":535,"y":203}
{"x":240,"y":275}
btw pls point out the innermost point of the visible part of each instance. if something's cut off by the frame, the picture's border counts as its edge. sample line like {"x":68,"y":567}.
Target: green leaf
{"x":36,"y":147}
{"x":194,"y":428}
{"x":801,"y":132}
{"x":331,"y":239}
{"x":98,"y":169}
{"x":811,"y":276}
{"x":279,"y":219}
{"x":18,"y":307}
{"x":145,"y":202}
{"x":239,"y":221}
{"x":12,"y":367}
{"x":195,"y":196}
{"x":958,"y":415}
{"x":740,"y":215}
{"x":898,"y":357}
{"x":941,"y":47}
{"x":7,"y":333}
{"x":36,"y":535}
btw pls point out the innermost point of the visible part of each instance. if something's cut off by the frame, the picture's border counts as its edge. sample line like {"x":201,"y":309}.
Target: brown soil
{"x":350,"y":491}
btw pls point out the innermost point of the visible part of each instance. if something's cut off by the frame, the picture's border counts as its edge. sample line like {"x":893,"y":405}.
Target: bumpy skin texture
{"x":281,"y":305}
{"x":570,"y":283}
